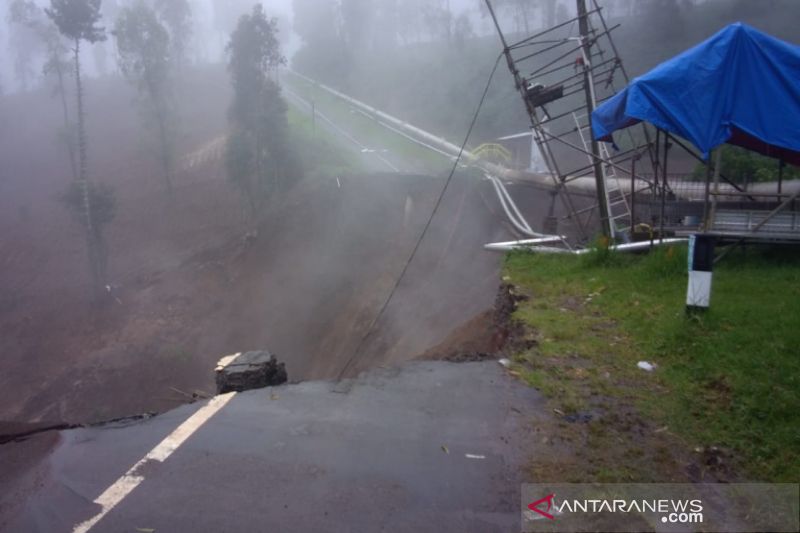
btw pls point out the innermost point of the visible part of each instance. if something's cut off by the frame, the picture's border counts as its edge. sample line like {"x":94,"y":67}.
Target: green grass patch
{"x":365,"y":129}
{"x":729,"y":377}
{"x":321,"y":153}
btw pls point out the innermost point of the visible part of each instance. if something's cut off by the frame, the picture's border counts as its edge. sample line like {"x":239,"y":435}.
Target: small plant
{"x":666,"y":261}
{"x":600,"y":254}
{"x":101,"y":199}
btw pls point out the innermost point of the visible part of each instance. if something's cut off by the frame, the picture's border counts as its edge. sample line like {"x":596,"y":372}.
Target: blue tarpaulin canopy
{"x":741,"y":87}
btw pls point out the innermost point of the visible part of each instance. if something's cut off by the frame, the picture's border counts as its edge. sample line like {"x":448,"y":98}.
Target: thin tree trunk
{"x":161,"y":120}
{"x":91,"y":233}
{"x":166,"y":152}
{"x":67,"y":126}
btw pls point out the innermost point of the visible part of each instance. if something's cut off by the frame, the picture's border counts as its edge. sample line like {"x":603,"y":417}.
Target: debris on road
{"x":249,"y":370}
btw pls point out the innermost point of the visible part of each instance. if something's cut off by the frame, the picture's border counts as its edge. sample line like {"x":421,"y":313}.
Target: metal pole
{"x":599,"y":176}
{"x":717,"y":170}
{"x":664,"y":186}
{"x":633,"y":192}
{"x":657,"y":162}
{"x":780,"y":177}
{"x":706,"y":222}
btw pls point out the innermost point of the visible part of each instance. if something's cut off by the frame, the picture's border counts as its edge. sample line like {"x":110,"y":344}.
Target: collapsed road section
{"x":429,"y":446}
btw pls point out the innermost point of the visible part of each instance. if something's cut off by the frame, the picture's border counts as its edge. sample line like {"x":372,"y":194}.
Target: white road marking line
{"x":123,"y":486}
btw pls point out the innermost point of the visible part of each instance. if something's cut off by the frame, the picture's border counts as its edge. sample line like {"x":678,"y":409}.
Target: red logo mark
{"x":535,"y":506}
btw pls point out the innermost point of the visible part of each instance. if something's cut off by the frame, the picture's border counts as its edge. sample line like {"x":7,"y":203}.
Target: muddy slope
{"x":187,"y":288}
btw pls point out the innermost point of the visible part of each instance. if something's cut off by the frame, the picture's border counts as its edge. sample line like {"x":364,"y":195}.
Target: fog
{"x":175,"y":204}
{"x":414,"y":21}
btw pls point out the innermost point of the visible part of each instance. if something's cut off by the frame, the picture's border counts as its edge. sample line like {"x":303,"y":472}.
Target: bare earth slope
{"x":188,"y":288}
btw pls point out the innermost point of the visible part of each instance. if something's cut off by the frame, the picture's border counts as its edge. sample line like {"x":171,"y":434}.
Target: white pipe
{"x":511,"y":203}
{"x":628,"y":247}
{"x":522,"y":243}
{"x":511,"y":217}
{"x":584,"y":184}
{"x":444,"y":144}
{"x":513,"y":214}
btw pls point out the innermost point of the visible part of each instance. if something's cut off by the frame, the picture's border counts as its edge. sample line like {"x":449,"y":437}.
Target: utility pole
{"x":588,"y":85}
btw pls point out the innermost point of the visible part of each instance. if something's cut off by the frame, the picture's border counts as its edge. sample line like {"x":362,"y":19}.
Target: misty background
{"x":183,"y":126}
{"x":423,"y":60}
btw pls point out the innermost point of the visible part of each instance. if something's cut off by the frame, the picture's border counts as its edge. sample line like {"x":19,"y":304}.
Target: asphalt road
{"x":429,"y":446}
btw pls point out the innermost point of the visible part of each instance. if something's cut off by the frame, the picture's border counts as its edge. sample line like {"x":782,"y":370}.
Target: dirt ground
{"x":187,"y":288}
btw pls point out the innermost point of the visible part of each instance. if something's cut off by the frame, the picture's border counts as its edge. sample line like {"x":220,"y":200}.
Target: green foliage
{"x":27,"y":15}
{"x":101,"y":197}
{"x":259,"y":158}
{"x":744,"y":166}
{"x":143,"y":44}
{"x":77,"y":19}
{"x":600,"y":254}
{"x":365,"y":128}
{"x":665,"y":262}
{"x":728,"y":378}
{"x":24,"y":18}
{"x":23,"y":12}
{"x":254,"y":51}
{"x":177,"y":16}
{"x":324,"y":154}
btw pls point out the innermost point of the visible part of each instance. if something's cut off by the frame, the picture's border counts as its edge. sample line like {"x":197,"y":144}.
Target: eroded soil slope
{"x":188,"y":287}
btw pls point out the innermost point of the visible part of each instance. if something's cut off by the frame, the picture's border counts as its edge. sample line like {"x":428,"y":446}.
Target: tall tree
{"x":226,"y":15}
{"x":324,"y":54}
{"x":357,"y":18}
{"x":24,"y":40}
{"x":462,"y":30}
{"x":143,"y":46}
{"x":177,"y":16}
{"x":259,"y":159}
{"x":56,"y":67}
{"x":438,"y":19}
{"x":78,"y":20}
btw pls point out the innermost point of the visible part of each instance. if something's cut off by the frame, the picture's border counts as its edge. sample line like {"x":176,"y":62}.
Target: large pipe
{"x":531,"y":246}
{"x":580,"y":184}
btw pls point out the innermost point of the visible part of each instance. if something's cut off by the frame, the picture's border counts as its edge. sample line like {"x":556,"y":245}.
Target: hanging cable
{"x":427,"y":224}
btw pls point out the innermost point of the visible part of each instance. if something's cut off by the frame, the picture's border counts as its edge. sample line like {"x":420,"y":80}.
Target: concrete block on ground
{"x":249,"y":370}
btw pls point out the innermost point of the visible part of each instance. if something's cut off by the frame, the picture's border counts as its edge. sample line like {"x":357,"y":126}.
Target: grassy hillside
{"x":729,"y":378}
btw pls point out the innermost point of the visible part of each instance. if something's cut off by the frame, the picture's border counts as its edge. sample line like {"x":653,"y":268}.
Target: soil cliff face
{"x":187,"y":286}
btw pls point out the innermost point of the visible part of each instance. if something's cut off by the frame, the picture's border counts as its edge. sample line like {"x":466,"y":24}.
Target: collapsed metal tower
{"x":563,"y":73}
